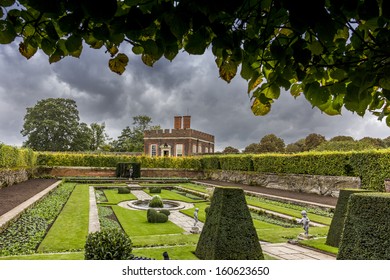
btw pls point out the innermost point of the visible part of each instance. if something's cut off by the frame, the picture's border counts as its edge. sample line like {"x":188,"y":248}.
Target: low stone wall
{"x":171,"y":172}
{"x":9,"y":177}
{"x":65,"y":171}
{"x":323,"y":185}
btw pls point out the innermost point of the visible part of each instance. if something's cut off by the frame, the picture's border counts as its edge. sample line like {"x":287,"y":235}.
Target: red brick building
{"x":182,"y":140}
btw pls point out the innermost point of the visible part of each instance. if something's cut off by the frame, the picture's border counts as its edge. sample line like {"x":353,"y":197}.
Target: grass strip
{"x":319,"y":244}
{"x":134,"y":223}
{"x":113,"y":197}
{"x":70,"y":229}
{"x":287,"y":211}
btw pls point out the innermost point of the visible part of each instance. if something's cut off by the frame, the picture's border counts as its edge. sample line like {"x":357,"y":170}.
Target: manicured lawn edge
{"x":70,"y":229}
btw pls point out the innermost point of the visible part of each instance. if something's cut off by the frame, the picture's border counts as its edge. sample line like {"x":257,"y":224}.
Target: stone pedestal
{"x":195,"y":230}
{"x":303,"y":236}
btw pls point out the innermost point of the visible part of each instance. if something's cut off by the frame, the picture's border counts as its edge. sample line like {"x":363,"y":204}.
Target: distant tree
{"x":83,"y":139}
{"x":51,"y":125}
{"x":343,"y":146}
{"x":313,"y":140}
{"x":296,"y":147}
{"x":230,"y":150}
{"x":342,"y":138}
{"x":132,"y":138}
{"x":386,"y":141}
{"x":271,"y":143}
{"x":252,"y":149}
{"x":375,"y":142}
{"x":98,"y":136}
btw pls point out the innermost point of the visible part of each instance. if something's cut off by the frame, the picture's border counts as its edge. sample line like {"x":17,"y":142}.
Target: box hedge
{"x":337,"y":224}
{"x":366,"y":233}
{"x":228,"y":232}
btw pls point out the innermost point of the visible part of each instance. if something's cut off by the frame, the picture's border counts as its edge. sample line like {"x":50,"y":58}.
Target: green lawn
{"x":320,"y":245}
{"x":70,"y":229}
{"x":169,"y":195}
{"x":134,"y":223}
{"x":113,"y":197}
{"x":194,"y":187}
{"x":46,"y":256}
{"x":287,"y":211}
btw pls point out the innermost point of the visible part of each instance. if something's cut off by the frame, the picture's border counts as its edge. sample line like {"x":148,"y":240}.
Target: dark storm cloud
{"x":188,"y":85}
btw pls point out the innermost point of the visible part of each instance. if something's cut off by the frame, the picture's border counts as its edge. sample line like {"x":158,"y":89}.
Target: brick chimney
{"x":177,"y":122}
{"x":186,"y":122}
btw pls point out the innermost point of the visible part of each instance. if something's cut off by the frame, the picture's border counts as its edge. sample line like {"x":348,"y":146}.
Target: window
{"x":206,"y":150}
{"x":153,"y":150}
{"x":179,"y":150}
{"x":200,"y":149}
{"x":194,"y":149}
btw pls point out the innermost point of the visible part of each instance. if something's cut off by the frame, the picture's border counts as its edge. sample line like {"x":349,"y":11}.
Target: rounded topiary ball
{"x":111,"y":244}
{"x":156,"y":202}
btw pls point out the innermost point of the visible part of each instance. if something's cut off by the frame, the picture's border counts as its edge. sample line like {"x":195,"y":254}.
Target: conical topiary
{"x":228,"y":233}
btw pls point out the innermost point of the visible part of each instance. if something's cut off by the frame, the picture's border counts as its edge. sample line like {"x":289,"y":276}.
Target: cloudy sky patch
{"x":188,"y":85}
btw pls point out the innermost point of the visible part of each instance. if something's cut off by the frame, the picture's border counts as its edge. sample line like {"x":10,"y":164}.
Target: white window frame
{"x":194,"y":148}
{"x":179,"y":150}
{"x":153,"y":150}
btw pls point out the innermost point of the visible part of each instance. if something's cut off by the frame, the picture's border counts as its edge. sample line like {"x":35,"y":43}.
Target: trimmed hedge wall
{"x":366,"y":234}
{"x":373,"y":167}
{"x":12,"y":157}
{"x":228,"y":233}
{"x":337,"y":224}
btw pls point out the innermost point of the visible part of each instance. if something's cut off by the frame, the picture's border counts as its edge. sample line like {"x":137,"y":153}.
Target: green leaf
{"x":316,"y":48}
{"x":271,"y":91}
{"x":296,"y":90}
{"x":260,"y":109}
{"x":119,"y":63}
{"x":316,"y":95}
{"x":148,"y":59}
{"x":7,"y":3}
{"x":73,"y":43}
{"x":7,"y":32}
{"x":385,"y":82}
{"x":27,"y":50}
{"x":196,"y":43}
{"x":388,"y":120}
{"x":138,"y":50}
{"x":338,"y":74}
{"x":47,"y":46}
{"x":254,"y":82}
{"x":171,"y":51}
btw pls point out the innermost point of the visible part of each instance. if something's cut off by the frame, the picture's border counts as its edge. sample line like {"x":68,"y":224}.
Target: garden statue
{"x":166,"y":256}
{"x":131,"y":172}
{"x":196,"y":216}
{"x":305,"y":222}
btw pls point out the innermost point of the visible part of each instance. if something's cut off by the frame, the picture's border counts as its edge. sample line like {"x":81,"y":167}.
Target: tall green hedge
{"x":373,"y":167}
{"x":228,"y":233}
{"x":12,"y":157}
{"x":366,"y":233}
{"x":337,"y":224}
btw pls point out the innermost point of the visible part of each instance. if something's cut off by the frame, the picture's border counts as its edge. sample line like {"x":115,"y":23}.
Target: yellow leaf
{"x":260,"y":109}
{"x":254,"y":82}
{"x":228,"y":70}
{"x":119,"y":63}
{"x":27,"y":50}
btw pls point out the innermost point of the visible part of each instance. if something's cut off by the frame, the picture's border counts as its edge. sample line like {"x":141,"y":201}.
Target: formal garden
{"x":59,"y":225}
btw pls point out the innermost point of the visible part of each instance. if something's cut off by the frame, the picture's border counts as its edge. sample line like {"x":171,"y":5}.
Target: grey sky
{"x":188,"y":85}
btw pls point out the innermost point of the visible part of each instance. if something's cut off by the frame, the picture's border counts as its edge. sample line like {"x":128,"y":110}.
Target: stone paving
{"x":286,"y":251}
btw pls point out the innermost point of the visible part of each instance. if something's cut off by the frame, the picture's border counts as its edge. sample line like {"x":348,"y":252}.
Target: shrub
{"x":156,"y":202}
{"x":123,"y":190}
{"x":165,"y":212}
{"x":109,"y":244}
{"x":337,"y":224}
{"x":11,"y":157}
{"x":156,"y":217}
{"x":366,"y":233}
{"x":154,"y":189}
{"x":228,"y":233}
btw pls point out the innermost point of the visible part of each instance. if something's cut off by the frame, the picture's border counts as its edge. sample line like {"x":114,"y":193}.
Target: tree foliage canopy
{"x":334,"y":52}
